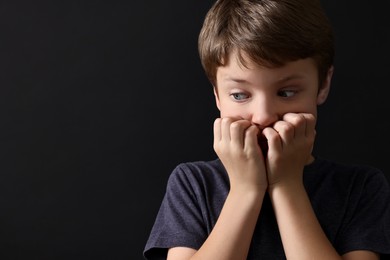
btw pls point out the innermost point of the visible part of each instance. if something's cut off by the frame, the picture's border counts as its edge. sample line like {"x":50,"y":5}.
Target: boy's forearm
{"x":232,"y":234}
{"x":301,"y":233}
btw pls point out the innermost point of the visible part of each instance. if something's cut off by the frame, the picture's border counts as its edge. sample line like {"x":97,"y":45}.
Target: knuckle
{"x":235,"y":126}
{"x":284,"y":127}
{"x":288,"y":128}
{"x":225,"y":122}
{"x":251,"y":130}
{"x":272,"y":136}
{"x":298,"y":119}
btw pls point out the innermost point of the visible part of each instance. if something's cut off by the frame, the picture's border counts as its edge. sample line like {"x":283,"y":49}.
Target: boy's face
{"x":263,"y":95}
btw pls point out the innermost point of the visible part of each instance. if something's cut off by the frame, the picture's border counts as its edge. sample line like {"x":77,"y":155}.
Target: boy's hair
{"x":270,"y":32}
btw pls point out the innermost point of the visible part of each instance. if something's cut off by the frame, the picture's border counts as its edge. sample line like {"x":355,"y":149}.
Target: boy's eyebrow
{"x":279,"y":81}
{"x":290,"y":77}
{"x":238,"y":80}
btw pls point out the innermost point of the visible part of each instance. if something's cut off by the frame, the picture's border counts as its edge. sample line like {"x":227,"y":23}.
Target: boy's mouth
{"x":263,"y":143}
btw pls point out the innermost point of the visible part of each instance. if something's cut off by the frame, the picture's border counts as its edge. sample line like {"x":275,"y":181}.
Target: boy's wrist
{"x":248,"y":191}
{"x":287,"y":187}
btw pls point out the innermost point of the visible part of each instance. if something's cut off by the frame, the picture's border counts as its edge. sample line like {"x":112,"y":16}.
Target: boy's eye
{"x":239,"y":96}
{"x":287,"y":93}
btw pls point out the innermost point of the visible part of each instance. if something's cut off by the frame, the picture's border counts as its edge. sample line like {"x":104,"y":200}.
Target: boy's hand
{"x":290,"y":143}
{"x":236,"y":144}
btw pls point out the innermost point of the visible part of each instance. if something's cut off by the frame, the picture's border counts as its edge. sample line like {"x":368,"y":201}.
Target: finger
{"x":217,"y":130}
{"x":298,"y":121}
{"x":285,"y":130}
{"x":251,"y":138}
{"x":237,"y":129}
{"x":273,"y":139}
{"x":310,"y":124}
{"x":225,"y":128}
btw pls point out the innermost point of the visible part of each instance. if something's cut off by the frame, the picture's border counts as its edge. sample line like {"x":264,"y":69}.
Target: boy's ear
{"x":325,"y":88}
{"x":216,"y":97}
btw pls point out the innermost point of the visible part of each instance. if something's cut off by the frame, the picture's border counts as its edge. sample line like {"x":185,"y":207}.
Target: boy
{"x":267,"y":196}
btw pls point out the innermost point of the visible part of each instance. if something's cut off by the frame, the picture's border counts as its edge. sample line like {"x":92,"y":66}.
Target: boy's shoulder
{"x":342,"y":167}
{"x":210,"y":174}
{"x":344,"y":173}
{"x":200,"y":166}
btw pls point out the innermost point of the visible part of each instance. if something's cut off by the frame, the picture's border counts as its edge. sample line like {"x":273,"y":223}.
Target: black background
{"x":99,"y":100}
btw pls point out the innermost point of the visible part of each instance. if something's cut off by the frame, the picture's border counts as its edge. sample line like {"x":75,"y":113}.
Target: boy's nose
{"x":264,"y":114}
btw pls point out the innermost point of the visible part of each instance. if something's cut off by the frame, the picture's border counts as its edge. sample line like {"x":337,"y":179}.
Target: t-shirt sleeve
{"x":179,"y":222}
{"x":367,"y":219}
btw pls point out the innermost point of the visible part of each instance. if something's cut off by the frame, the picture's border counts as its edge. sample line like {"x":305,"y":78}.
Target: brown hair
{"x":270,"y":32}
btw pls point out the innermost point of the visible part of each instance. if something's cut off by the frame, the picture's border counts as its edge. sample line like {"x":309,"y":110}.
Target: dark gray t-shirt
{"x":351,"y":203}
